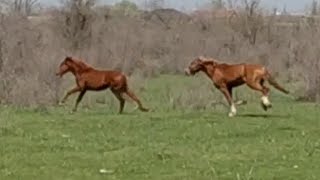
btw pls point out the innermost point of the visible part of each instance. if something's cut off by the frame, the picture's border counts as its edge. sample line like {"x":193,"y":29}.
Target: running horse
{"x":89,"y":78}
{"x":225,"y":77}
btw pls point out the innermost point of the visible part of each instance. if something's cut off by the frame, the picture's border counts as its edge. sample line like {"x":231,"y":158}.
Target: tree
{"x":254,"y":19}
{"x":126,"y":7}
{"x":250,"y":20}
{"x":314,"y":8}
{"x":218,"y":4}
{"x":77,"y":17}
{"x":22,"y":7}
{"x":154,"y":4}
{"x":284,"y":10}
{"x":275,"y":11}
{"x":231,"y":3}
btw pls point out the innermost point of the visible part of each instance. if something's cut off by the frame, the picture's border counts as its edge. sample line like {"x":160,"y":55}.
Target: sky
{"x":291,"y":5}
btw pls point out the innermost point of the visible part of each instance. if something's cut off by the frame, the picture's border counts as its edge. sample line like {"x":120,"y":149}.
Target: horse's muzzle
{"x":187,"y":71}
{"x":59,"y":74}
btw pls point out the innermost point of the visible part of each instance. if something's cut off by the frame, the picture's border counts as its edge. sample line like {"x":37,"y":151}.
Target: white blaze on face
{"x":265,"y":100}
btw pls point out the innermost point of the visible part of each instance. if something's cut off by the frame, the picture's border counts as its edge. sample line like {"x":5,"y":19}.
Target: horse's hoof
{"x":264,"y":107}
{"x":241,"y":102}
{"x":145,"y":110}
{"x":231,"y":114}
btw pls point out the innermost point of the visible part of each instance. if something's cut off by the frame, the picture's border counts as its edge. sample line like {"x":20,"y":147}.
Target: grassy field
{"x":186,"y":136}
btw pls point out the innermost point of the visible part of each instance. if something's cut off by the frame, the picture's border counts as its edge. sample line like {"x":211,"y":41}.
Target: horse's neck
{"x":83,"y":66}
{"x":74,"y":71}
{"x":209,"y":70}
{"x":77,"y":69}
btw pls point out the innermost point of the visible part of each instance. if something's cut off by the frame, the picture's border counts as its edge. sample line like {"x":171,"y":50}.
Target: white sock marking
{"x":265,"y":100}
{"x":233,"y":110}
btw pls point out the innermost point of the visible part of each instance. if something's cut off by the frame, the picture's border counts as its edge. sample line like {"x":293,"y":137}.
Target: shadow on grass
{"x":109,"y":113}
{"x":288,"y":128}
{"x":264,"y":116}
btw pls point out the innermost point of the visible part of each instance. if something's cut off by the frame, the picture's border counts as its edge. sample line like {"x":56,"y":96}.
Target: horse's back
{"x":102,"y":79}
{"x":231,"y":69}
{"x":117,"y":79}
{"x":254,"y":66}
{"x":231,"y":74}
{"x":111,"y":75}
{"x":255,"y":69}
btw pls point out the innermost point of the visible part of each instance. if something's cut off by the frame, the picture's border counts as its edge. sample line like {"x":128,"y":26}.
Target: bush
{"x":161,"y":41}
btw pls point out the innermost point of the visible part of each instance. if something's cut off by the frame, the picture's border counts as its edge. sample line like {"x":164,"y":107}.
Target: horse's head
{"x":64,"y":67}
{"x":197,"y":65}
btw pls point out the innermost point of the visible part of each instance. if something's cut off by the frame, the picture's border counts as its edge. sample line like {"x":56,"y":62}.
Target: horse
{"x":225,"y":77}
{"x":89,"y":78}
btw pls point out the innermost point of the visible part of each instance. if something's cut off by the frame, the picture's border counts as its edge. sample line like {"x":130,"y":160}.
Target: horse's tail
{"x":275,"y":84}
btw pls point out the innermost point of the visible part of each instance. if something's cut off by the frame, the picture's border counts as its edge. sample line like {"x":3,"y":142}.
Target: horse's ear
{"x":202,"y":58}
{"x":68,"y":58}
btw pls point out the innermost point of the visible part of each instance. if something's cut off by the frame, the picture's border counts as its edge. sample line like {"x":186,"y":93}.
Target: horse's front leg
{"x":228,"y":95}
{"x":79,"y":100}
{"x":72,"y":91}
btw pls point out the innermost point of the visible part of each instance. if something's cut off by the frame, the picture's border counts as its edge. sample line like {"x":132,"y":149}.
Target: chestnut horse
{"x":88,"y":78}
{"x":225,"y":77}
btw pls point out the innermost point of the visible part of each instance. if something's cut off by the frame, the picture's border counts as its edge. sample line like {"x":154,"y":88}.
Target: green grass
{"x":183,"y":138}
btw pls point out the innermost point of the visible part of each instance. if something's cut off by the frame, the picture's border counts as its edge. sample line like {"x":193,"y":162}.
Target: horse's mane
{"x":209,"y":61}
{"x":80,"y":64}
{"x":83,"y":65}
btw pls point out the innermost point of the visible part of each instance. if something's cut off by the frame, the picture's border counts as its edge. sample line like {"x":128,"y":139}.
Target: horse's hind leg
{"x":79,"y":100}
{"x":134,"y":97}
{"x":118,"y":95}
{"x":265,"y":92}
{"x":238,"y":102}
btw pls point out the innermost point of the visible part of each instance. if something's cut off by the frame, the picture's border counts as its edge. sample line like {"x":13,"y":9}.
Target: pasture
{"x":186,"y":136}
